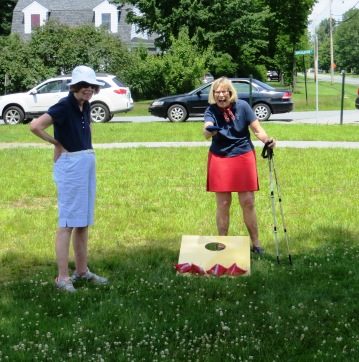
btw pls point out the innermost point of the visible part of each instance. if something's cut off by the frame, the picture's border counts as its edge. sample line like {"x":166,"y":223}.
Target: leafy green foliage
{"x":233,"y":38}
{"x":346,"y":54}
{"x":56,"y":49}
{"x":62,"y":47}
{"x":246,"y":31}
{"x":6,"y":9}
{"x":18,"y":63}
{"x":323,"y":34}
{"x":345,"y":35}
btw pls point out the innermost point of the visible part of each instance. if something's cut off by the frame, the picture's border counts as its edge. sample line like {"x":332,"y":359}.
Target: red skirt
{"x":232,"y":174}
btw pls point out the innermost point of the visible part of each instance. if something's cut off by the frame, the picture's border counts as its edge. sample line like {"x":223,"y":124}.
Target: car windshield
{"x":206,"y":89}
{"x":265,"y":85}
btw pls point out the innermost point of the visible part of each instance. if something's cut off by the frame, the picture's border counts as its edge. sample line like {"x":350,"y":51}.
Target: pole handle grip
{"x":267,"y":152}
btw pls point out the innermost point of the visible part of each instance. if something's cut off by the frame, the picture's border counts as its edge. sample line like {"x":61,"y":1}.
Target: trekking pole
{"x":281,"y":211}
{"x":268,"y":153}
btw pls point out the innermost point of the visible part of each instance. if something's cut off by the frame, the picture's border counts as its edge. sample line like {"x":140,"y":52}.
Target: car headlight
{"x":157,"y":103}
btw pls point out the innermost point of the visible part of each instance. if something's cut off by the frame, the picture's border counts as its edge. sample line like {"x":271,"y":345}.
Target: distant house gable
{"x":106,"y":14}
{"x":30,"y":13}
{"x":34,"y":15}
{"x":69,"y":12}
{"x":135,"y":32}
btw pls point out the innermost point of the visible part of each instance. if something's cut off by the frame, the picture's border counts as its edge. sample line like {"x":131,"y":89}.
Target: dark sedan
{"x":266,"y":100}
{"x":272,"y":75}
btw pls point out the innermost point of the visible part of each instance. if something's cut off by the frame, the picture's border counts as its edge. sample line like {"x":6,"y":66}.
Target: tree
{"x":323,"y":35}
{"x":6,"y":10}
{"x":17,"y":62}
{"x":247,"y":31}
{"x":177,"y":70}
{"x":62,"y":48}
{"x":287,"y":31}
{"x":56,"y":49}
{"x":346,"y":36}
{"x":234,"y":27}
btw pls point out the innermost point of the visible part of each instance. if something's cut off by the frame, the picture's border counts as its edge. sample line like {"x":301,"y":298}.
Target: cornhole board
{"x":237,"y":250}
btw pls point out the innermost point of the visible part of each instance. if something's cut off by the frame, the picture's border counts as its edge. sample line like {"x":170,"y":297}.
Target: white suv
{"x":114,"y":97}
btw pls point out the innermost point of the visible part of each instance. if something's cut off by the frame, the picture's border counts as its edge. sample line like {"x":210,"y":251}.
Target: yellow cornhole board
{"x":195,"y":250}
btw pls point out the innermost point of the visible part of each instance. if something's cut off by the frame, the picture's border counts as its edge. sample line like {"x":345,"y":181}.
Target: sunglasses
{"x":219,"y":92}
{"x":86,"y":85}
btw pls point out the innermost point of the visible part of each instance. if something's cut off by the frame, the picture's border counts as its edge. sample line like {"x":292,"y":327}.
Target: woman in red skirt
{"x":231,"y":159}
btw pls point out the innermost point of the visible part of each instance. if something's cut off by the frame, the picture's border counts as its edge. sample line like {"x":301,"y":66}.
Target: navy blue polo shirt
{"x":234,"y":137}
{"x":71,"y":125}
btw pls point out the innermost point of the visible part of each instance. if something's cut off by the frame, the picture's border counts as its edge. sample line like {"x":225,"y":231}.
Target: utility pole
{"x":331,"y":44}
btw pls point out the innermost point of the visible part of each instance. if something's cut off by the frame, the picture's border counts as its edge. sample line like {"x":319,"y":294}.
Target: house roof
{"x":73,"y":13}
{"x":59,"y":5}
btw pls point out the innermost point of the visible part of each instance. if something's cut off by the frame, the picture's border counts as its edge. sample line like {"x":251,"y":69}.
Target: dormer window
{"x":35,"y":21}
{"x":34,"y":15}
{"x":106,"y":15}
{"x":106,"y":20}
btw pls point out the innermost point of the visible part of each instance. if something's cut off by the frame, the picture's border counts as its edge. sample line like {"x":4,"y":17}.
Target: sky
{"x":321,"y":10}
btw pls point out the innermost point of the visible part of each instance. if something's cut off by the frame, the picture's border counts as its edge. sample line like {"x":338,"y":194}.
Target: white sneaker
{"x":65,"y":285}
{"x":89,"y":277}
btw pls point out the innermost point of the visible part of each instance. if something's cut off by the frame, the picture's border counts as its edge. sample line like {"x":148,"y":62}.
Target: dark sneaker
{"x":65,"y":285}
{"x":89,"y":277}
{"x":257,"y":250}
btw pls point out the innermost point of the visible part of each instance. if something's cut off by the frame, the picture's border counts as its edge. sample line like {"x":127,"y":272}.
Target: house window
{"x":35,"y":20}
{"x":106,"y":20}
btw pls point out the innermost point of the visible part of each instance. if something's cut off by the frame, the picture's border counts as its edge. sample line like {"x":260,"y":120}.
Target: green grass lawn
{"x":188,"y":131}
{"x":147,"y":199}
{"x":329,"y":95}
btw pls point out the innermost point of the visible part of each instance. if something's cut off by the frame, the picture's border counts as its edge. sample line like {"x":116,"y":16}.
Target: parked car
{"x":114,"y":97}
{"x":207,"y":78}
{"x":266,"y":100}
{"x":357,"y":101}
{"x":272,"y":75}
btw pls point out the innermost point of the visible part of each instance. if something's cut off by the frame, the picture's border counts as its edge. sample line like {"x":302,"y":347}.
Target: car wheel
{"x":109,"y":118}
{"x":99,"y":113}
{"x":357,"y":103}
{"x":262,"y":111}
{"x":13,"y":115}
{"x":177,"y":113}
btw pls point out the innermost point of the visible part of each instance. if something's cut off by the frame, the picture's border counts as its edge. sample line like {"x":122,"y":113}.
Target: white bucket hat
{"x":82,"y":73}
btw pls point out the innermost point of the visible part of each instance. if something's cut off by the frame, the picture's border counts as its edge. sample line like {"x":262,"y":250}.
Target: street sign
{"x":303,"y":52}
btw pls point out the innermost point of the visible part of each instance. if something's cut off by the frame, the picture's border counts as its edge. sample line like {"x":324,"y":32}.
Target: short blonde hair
{"x":225,"y":83}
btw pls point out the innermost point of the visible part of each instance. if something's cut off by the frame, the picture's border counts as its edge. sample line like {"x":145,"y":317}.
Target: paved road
{"x":336,"y":78}
{"x":324,"y":117}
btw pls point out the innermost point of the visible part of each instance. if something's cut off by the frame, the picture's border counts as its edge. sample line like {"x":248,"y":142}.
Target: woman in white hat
{"x":74,"y":173}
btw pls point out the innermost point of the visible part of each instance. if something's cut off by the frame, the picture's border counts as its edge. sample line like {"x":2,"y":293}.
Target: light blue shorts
{"x":75,"y":178}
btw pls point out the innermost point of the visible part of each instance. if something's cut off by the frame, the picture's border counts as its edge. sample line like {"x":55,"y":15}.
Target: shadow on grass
{"x":147,"y":304}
